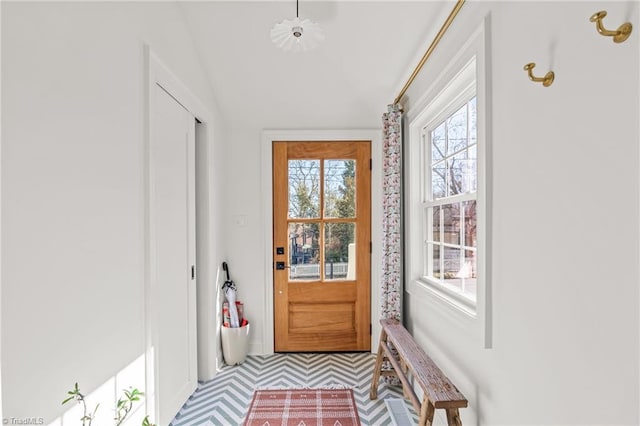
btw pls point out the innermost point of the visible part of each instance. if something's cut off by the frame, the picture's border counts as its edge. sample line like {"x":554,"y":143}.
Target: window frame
{"x":467,"y":93}
{"x":461,"y":74}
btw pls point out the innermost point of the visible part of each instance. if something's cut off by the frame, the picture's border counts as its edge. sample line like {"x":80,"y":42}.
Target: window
{"x":450,"y":200}
{"x":446,"y":202}
{"x":448,"y":192}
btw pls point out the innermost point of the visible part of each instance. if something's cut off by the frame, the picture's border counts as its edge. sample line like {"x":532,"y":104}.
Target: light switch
{"x":240,"y":220}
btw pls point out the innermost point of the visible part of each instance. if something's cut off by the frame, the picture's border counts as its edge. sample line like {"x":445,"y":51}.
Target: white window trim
{"x":466,"y":75}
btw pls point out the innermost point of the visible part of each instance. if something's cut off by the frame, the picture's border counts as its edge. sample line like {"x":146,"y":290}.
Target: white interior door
{"x":173,"y":284}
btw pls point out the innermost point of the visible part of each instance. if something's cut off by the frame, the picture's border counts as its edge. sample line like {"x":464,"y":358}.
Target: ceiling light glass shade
{"x":297,"y":35}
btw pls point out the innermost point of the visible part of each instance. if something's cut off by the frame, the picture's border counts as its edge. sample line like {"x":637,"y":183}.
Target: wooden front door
{"x":322,"y":246}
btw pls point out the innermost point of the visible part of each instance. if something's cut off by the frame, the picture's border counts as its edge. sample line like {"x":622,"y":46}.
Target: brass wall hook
{"x":621,"y":34}
{"x":546,"y":80}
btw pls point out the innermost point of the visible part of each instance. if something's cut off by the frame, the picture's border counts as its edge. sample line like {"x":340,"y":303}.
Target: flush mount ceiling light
{"x":296,"y":34}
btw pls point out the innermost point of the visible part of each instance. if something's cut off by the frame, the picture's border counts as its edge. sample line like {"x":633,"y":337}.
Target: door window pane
{"x":304,"y":251}
{"x":339,"y":251}
{"x":339,"y":188}
{"x":304,"y":189}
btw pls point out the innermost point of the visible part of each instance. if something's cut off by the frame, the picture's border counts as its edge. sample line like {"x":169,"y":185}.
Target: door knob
{"x":281,"y":266}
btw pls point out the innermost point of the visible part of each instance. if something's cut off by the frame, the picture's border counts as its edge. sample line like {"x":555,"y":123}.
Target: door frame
{"x":268,"y":137}
{"x":157,"y":73}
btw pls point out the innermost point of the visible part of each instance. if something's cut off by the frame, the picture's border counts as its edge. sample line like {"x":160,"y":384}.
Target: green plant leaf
{"x":146,"y":422}
{"x":123,"y":405}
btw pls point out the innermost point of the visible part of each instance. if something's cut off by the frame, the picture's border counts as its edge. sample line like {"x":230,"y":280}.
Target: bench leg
{"x":378,"y":367}
{"x":453,"y":417}
{"x":405,"y":370}
{"x":427,"y":411}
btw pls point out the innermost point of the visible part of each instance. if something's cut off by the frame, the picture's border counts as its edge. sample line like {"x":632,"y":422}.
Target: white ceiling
{"x":347,"y":82}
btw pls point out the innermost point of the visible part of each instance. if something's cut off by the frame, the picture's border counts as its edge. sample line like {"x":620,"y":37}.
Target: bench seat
{"x":408,"y":359}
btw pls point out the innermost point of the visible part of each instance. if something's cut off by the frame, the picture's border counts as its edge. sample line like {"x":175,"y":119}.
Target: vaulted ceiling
{"x":369,"y":51}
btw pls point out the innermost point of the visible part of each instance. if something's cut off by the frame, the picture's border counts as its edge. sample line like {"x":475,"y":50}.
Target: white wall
{"x":565,"y":222}
{"x":73,"y":190}
{"x":211,"y":249}
{"x":244,"y":228}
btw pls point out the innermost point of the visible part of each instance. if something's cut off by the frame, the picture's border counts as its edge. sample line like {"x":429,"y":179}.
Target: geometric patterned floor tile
{"x":224,"y":401}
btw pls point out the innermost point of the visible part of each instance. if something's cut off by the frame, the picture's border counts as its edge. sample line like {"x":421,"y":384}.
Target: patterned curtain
{"x":391,"y":283}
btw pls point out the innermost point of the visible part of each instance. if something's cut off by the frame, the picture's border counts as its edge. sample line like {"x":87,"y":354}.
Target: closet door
{"x":173,"y":284}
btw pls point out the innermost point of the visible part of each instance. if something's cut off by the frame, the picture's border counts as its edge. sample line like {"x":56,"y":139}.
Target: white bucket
{"x":235,"y":344}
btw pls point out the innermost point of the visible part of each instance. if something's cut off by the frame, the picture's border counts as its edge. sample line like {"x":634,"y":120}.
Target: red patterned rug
{"x":303,"y":407}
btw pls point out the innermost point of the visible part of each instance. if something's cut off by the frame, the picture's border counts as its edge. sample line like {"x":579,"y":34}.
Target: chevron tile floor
{"x":224,"y":401}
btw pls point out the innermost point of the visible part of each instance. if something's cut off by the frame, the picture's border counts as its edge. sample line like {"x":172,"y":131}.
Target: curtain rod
{"x":433,"y":45}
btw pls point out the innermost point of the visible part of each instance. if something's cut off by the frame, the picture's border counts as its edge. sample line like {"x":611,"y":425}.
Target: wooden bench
{"x":409,"y":358}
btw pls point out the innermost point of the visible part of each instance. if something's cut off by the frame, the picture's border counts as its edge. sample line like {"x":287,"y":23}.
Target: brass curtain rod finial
{"x":621,"y":34}
{"x":546,"y":81}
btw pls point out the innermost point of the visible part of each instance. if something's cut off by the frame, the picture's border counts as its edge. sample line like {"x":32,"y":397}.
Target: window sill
{"x":444,"y":297}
